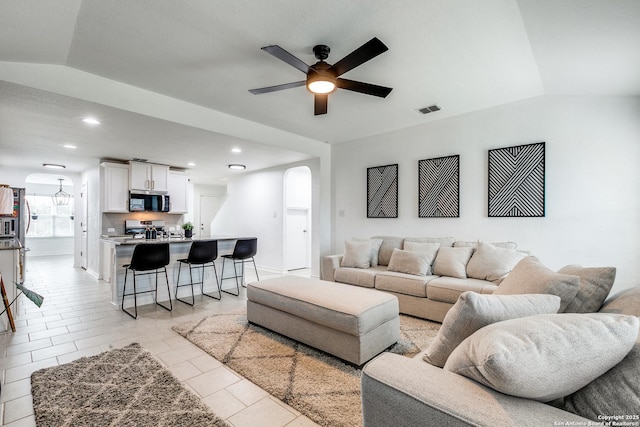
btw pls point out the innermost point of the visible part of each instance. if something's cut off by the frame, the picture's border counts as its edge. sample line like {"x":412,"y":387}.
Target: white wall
{"x":255,"y":207}
{"x":592,"y":180}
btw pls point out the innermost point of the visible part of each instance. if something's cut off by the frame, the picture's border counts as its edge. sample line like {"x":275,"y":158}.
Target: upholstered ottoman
{"x":349,"y":322}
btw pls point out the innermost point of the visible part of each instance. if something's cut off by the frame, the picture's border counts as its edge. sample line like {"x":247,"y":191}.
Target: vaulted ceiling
{"x":169,"y":80}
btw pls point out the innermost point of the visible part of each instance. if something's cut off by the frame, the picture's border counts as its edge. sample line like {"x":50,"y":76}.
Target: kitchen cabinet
{"x":148,"y":177}
{"x":178,"y":187}
{"x":115,"y":187}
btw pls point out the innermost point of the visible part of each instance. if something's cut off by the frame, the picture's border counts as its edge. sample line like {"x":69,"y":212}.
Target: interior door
{"x":297,"y":239}
{"x":84,"y":244}
{"x":209,"y":206}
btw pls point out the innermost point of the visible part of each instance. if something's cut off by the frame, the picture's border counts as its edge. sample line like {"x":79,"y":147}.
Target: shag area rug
{"x":122,"y":387}
{"x":320,"y":386}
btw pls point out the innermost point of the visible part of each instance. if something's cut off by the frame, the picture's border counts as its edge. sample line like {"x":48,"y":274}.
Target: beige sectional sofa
{"x":426,"y":285}
{"x":568,"y":369}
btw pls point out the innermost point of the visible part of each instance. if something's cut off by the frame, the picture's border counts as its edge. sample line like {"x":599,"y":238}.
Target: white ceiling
{"x":463,"y":56}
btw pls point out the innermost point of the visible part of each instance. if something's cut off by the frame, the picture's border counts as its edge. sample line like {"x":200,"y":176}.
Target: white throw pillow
{"x":492,"y":263}
{"x":375,"y":249}
{"x":416,"y":263}
{"x":529,"y":276}
{"x":547,"y":356}
{"x":356,"y":254}
{"x":452,"y":262}
{"x":473,"y":311}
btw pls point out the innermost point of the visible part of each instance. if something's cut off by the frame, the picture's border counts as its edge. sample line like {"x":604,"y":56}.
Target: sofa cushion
{"x":531,"y":277}
{"x":418,"y":263}
{"x":618,"y":390}
{"x":474,"y":245}
{"x":595,"y":284}
{"x":403,"y":283}
{"x":389,"y":243}
{"x":375,"y":249}
{"x":356,"y":254}
{"x":448,"y":289}
{"x":492,"y":263}
{"x":429,"y":247}
{"x":452,"y":262}
{"x":547,"y":356}
{"x":364,"y":277}
{"x":444,"y":241}
{"x":473,"y":311}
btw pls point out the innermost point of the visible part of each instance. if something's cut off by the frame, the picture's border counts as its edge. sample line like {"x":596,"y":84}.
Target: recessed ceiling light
{"x":70,"y":146}
{"x":91,"y":121}
{"x":53,"y":166}
{"x":191,"y":164}
{"x":236,"y":150}
{"x":237,"y":166}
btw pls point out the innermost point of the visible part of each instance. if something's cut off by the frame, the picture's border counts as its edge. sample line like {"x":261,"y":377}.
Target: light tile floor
{"x":77,"y":319}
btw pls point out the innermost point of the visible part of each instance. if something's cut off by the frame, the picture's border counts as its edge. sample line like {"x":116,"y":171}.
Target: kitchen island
{"x":117,"y":251}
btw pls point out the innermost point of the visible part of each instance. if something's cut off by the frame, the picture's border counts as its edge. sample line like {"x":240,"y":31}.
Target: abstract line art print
{"x":517,"y":181}
{"x":439,"y":187}
{"x":382,"y":191}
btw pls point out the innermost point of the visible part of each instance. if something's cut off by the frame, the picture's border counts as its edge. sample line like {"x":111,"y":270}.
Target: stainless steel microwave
{"x":148,"y":203}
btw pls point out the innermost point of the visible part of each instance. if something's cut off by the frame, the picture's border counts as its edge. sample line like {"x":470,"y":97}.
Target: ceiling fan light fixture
{"x":321,"y":83}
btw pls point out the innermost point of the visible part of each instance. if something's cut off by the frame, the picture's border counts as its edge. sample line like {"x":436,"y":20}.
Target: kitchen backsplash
{"x":116,"y":221}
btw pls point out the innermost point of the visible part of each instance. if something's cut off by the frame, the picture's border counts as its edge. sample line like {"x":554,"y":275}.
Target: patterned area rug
{"x":320,"y":386}
{"x":122,"y":387}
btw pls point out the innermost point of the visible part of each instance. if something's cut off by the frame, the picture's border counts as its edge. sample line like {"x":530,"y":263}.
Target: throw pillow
{"x":416,"y":263}
{"x":595,"y":284}
{"x":492,"y":263}
{"x":617,"y":391}
{"x":473,"y":311}
{"x":356,"y":254}
{"x":375,"y":249}
{"x":529,"y":276}
{"x":452,"y":262}
{"x":444,"y":241}
{"x":547,"y":356}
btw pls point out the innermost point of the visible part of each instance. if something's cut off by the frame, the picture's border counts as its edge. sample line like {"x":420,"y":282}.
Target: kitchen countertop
{"x":127,"y":240}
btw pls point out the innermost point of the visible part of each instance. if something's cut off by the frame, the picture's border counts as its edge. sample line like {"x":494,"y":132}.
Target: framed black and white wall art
{"x":439,"y":187}
{"x":517,"y":181}
{"x":382,"y":191}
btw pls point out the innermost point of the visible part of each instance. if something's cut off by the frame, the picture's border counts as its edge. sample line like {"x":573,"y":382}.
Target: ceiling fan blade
{"x":285,"y":56}
{"x":277,"y":87}
{"x":320,"y":104}
{"x":366,"y":88}
{"x":367,"y":51}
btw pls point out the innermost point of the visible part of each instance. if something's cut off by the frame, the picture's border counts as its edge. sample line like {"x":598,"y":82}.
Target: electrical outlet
{"x":111,"y":230}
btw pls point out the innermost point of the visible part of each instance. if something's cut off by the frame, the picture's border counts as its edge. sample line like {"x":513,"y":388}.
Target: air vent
{"x":429,"y":109}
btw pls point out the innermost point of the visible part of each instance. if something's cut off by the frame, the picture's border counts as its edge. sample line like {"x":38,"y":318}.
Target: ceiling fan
{"x":323,"y":79}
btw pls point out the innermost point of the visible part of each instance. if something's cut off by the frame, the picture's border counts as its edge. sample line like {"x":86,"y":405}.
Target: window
{"x":49,"y":220}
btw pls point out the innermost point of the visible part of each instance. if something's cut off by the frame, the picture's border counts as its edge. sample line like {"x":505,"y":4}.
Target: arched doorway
{"x":297,"y":227}
{"x":50,"y":221}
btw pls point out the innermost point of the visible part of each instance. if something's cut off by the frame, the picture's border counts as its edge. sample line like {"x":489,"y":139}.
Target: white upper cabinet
{"x":115,"y":187}
{"x":178,"y":187}
{"x":148,"y":177}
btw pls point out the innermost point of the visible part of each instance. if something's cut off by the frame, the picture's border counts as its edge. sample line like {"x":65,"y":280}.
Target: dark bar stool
{"x":147,"y":257}
{"x":244,"y":250}
{"x":201,"y":253}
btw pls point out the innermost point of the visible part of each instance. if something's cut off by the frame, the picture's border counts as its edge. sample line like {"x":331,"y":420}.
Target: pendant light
{"x":6,"y":200}
{"x":61,"y":198}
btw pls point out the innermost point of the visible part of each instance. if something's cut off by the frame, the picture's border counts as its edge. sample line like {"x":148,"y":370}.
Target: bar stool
{"x":201,"y":253}
{"x":145,"y":258}
{"x":243,"y":250}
